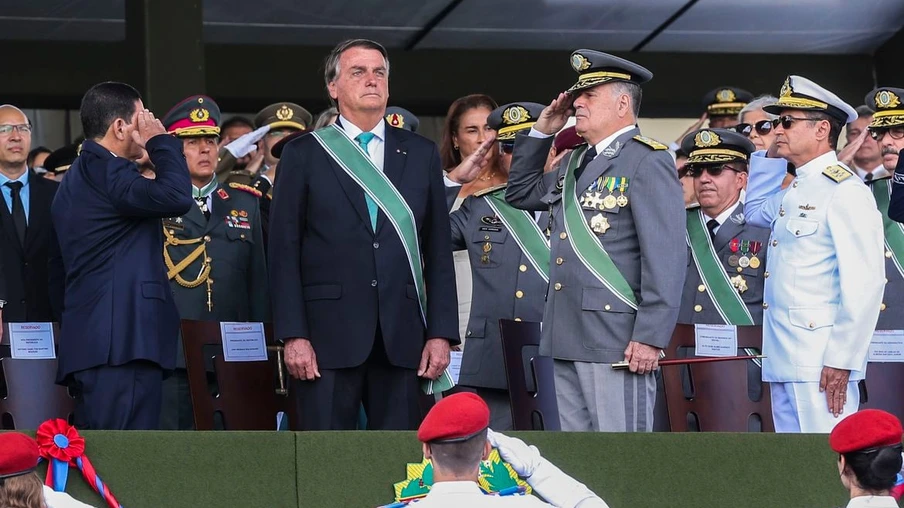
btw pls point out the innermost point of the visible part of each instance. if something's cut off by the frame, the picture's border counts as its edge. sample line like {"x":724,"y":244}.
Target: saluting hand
{"x":301,"y":359}
{"x":556,"y":115}
{"x":834,"y":382}
{"x":846,"y":155}
{"x":473,"y":165}
{"x":148,"y":127}
{"x":434,"y":359}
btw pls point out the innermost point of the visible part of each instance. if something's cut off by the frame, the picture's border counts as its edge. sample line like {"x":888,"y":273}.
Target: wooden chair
{"x":248,"y":395}
{"x":720,"y":402}
{"x":883,"y":385}
{"x":32,"y":395}
{"x":531,"y":381}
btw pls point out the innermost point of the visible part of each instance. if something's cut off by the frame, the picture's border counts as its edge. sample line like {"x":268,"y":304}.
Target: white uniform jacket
{"x":825,"y":271}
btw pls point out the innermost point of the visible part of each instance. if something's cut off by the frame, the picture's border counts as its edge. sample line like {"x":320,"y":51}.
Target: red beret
{"x":567,"y":139}
{"x":870,"y":428}
{"x":455,"y":418}
{"x":18,"y":454}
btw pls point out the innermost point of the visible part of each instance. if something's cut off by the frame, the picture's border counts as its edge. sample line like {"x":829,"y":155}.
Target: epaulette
{"x":247,"y":188}
{"x":652,"y":143}
{"x":837,"y":173}
{"x":692,"y":206}
{"x":489,"y":190}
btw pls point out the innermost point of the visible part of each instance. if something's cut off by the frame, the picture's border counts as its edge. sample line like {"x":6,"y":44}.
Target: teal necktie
{"x":363,"y":139}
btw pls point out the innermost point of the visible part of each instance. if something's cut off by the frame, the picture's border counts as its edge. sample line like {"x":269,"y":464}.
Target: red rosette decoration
{"x":61,"y":441}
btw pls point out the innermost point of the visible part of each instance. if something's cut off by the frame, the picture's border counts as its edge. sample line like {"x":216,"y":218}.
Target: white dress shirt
{"x":468,"y":494}
{"x":879,"y":172}
{"x":377,"y":144}
{"x":722,"y":217}
{"x":872,"y":502}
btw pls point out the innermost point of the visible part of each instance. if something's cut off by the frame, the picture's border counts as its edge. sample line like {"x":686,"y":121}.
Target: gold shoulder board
{"x":837,"y":173}
{"x":247,"y":188}
{"x":489,"y":190}
{"x":652,"y":143}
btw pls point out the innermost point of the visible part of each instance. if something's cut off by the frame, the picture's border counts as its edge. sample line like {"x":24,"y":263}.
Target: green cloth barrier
{"x":357,"y":469}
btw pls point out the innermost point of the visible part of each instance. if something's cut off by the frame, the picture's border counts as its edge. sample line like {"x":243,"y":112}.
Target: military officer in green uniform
{"x":509,"y":255}
{"x":214,"y":254}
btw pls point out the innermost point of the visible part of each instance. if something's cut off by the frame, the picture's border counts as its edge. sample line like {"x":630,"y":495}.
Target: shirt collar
{"x":819,"y":164}
{"x":728,"y":212}
{"x":464,"y":487}
{"x":22,"y":178}
{"x":602,"y":145}
{"x":205,"y":191}
{"x":353,"y":130}
{"x":872,"y":502}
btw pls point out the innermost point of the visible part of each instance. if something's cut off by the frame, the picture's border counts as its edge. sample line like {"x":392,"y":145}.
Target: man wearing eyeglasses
{"x":886,"y":130}
{"x":25,"y":223}
{"x":824,"y":291}
{"x":866,"y":161}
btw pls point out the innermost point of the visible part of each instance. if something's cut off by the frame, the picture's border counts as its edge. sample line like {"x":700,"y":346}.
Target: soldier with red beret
{"x":869,"y":448}
{"x":19,"y":483}
{"x":455,"y":436}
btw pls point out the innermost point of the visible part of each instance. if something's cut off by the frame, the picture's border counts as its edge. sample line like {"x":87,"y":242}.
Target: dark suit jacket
{"x":118,"y":306}
{"x":334,"y":280}
{"x":896,"y":204}
{"x":26,"y":270}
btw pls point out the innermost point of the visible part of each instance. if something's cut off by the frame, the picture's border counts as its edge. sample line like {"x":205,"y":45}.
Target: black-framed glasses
{"x":697,"y":171}
{"x":506,"y":146}
{"x":896,"y":132}
{"x":787,"y":121}
{"x":7,"y":129}
{"x":762,"y":128}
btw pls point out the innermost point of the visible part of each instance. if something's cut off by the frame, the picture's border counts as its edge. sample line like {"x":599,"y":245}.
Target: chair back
{"x":247,"y":395}
{"x":719,"y":400}
{"x":32,"y":395}
{"x":531,"y":381}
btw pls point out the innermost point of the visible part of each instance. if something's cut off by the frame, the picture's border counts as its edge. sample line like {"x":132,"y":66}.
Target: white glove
{"x":548,"y":481}
{"x":245,"y":143}
{"x":524,"y":459}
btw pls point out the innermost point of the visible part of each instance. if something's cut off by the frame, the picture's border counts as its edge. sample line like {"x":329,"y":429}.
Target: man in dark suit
{"x":25,"y":228}
{"x":120,"y":323}
{"x":361,"y":262}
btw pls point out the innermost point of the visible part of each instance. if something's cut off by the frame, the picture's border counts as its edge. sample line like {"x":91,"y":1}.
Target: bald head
{"x":15,"y":140}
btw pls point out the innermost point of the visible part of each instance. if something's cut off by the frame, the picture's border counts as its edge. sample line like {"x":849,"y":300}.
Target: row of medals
{"x":596,"y":201}
{"x":744,"y":260}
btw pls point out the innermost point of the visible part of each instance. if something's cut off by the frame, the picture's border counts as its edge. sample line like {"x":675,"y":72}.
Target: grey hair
{"x":331,"y":65}
{"x":326,"y":117}
{"x":632,"y":90}
{"x":758,"y":104}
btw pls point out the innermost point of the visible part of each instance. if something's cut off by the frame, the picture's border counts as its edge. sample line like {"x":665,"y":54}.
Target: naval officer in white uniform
{"x":825,"y":269}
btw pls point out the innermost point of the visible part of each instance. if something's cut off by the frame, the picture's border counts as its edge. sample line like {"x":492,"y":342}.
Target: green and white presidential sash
{"x":721,"y":291}
{"x":894,"y":231}
{"x":585,"y":242}
{"x":525,"y":231}
{"x":361,"y":169}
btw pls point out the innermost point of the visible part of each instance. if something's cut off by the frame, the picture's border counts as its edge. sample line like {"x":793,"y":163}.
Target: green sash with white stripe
{"x":721,"y":291}
{"x":361,"y":169}
{"x":524,"y":230}
{"x":585,"y":242}
{"x":894,"y":231}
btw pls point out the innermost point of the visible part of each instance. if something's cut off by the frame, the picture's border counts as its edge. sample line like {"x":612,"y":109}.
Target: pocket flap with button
{"x":477,"y":328}
{"x":602,"y":299}
{"x":239,"y":234}
{"x":322,"y":292}
{"x":801,"y":227}
{"x":812,"y":318}
{"x":153,"y":290}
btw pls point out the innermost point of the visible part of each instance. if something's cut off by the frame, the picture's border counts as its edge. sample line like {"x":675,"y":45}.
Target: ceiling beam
{"x":665,"y":24}
{"x":55,"y":75}
{"x":433,"y":23}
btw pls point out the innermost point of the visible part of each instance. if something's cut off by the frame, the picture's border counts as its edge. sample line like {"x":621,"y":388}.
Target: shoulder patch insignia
{"x":489,"y":190}
{"x":247,"y":188}
{"x":652,"y":143}
{"x":837,"y":173}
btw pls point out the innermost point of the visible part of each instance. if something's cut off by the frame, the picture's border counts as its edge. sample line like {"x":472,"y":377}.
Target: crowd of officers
{"x":553,"y":232}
